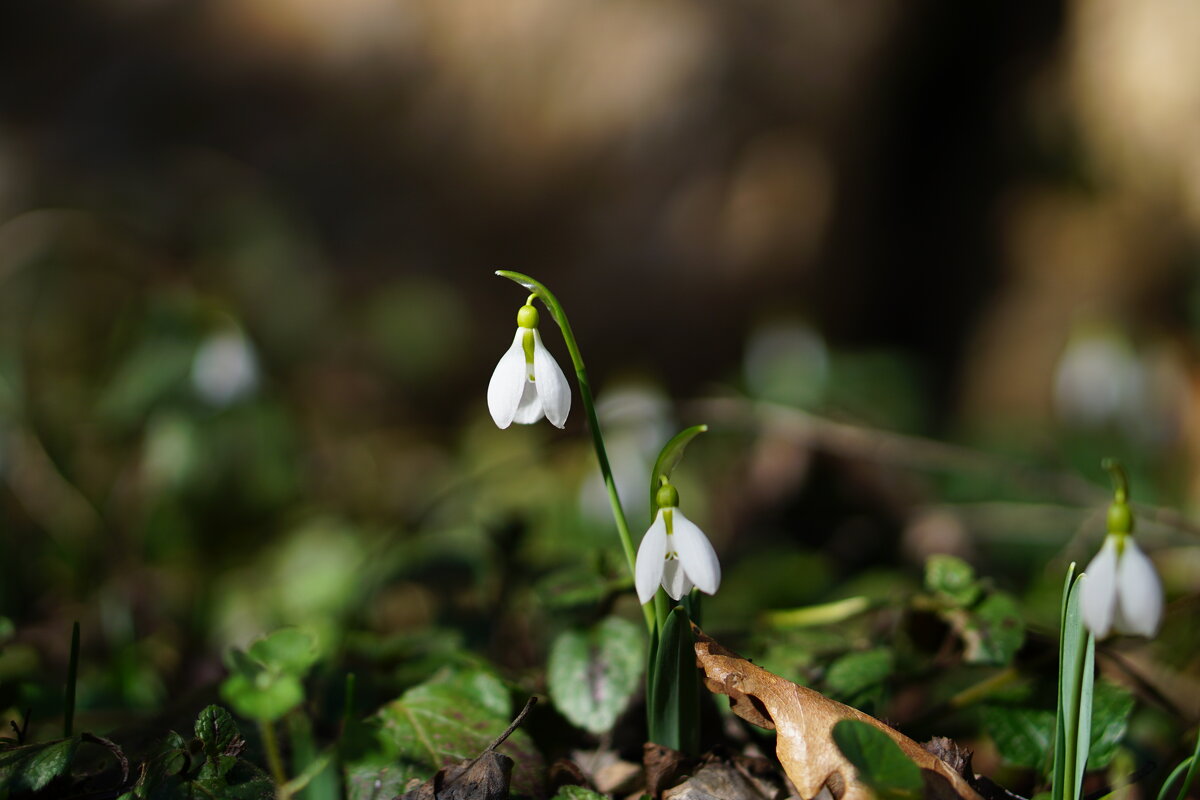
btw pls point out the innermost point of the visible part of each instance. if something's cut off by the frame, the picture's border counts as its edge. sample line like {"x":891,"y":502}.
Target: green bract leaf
{"x":592,"y":674}
{"x":1024,"y":736}
{"x":952,"y":580}
{"x":31,"y":768}
{"x":668,"y":459}
{"x":879,"y":761}
{"x":451,"y":718}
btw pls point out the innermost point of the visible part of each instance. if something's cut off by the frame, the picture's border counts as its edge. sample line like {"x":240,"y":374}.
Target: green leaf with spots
{"x":1024,"y":736}
{"x":592,"y":674}
{"x":951,"y":580}
{"x":222,"y":742}
{"x":1111,"y":707}
{"x":449,"y":719}
{"x":994,"y":631}
{"x":31,"y":768}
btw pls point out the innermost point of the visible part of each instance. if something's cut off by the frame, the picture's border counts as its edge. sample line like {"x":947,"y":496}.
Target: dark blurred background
{"x":247,"y":310}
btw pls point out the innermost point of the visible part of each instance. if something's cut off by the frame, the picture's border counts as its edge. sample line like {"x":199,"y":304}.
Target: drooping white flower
{"x":527,"y":383}
{"x":675,"y":554}
{"x":1121,"y":590}
{"x":224,"y":368}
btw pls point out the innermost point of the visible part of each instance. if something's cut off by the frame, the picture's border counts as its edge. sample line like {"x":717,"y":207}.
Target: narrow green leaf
{"x":1083,"y":730}
{"x":1075,"y":695}
{"x":1189,"y":764}
{"x":1059,"y":768}
{"x":879,"y":761}
{"x":593,"y":674}
{"x":675,"y":696}
{"x":1191,"y":774}
{"x":668,"y":459}
{"x":820,"y":614}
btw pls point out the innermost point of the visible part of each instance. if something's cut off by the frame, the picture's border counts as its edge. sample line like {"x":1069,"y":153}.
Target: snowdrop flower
{"x":674,"y":553}
{"x":224,"y":368}
{"x":528,"y":383}
{"x":1121,"y":590}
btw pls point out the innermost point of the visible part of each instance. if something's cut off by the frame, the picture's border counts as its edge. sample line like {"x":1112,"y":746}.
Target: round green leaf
{"x":952,"y":579}
{"x":290,"y":650}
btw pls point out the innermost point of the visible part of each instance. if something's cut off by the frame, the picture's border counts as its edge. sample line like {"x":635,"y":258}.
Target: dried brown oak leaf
{"x":804,"y":720}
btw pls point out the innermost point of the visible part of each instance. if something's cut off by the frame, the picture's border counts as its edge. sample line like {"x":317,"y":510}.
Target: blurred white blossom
{"x":225,"y":368}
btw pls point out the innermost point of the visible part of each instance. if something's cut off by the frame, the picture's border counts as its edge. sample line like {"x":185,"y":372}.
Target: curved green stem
{"x":552,"y":305}
{"x":266,"y":730}
{"x":1119,"y":479}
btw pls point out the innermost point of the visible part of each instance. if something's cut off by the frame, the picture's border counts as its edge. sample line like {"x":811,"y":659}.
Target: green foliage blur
{"x":898,"y":264}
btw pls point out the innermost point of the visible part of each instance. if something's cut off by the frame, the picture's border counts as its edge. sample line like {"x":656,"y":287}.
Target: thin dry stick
{"x":916,"y":452}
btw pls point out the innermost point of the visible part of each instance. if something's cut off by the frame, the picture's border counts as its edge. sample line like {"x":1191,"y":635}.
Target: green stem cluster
{"x":672,"y":685}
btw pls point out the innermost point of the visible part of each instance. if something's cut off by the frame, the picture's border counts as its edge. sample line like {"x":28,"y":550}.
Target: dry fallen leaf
{"x":804,"y":720}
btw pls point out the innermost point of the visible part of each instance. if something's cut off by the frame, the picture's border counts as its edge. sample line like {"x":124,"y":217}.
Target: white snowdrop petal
{"x":696,"y":554}
{"x":1139,"y":592}
{"x":529,"y":410}
{"x":651,"y":555}
{"x":675,"y":580}
{"x":552,"y":386}
{"x":1099,"y":599}
{"x":508,"y":379}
